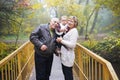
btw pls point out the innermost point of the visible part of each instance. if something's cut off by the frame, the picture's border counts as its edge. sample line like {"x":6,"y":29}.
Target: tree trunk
{"x":86,"y":35}
{"x":94,"y":22}
{"x":81,"y":31}
{"x":85,"y":13}
{"x":79,"y":1}
{"x":56,"y":13}
{"x":17,"y":35}
{"x":18,"y":32}
{"x":87,"y":2}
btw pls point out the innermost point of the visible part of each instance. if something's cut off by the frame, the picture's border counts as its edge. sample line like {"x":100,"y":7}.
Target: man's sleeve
{"x":34,"y":37}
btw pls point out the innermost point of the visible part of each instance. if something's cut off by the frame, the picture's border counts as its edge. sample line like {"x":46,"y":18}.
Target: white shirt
{"x":67,"y":54}
{"x":61,"y":27}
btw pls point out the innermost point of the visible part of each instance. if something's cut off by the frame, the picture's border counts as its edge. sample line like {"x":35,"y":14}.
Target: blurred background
{"x":99,"y":23}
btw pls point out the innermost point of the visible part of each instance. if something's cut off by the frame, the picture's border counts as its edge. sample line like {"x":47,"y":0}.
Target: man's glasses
{"x":56,"y":22}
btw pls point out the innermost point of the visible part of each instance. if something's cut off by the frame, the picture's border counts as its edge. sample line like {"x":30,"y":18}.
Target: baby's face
{"x":64,"y":21}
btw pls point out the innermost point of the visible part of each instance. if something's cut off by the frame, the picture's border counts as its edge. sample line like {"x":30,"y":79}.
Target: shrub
{"x":6,"y":49}
{"x":3,"y":47}
{"x":109,"y":48}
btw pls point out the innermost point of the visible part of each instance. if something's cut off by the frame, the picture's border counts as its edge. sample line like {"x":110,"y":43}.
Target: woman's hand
{"x":59,"y":39}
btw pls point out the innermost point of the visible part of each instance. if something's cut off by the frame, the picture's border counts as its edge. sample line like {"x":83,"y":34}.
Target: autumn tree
{"x":11,"y":17}
{"x":112,"y":5}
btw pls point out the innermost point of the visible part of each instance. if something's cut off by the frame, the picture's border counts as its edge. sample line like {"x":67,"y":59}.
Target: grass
{"x":22,"y":36}
{"x":9,"y":40}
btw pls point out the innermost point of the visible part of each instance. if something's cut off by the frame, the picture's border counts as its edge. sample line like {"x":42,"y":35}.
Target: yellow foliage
{"x":31,"y":15}
{"x":110,"y":4}
{"x":3,"y":47}
{"x":36,"y":6}
{"x":29,"y":29}
{"x":54,"y":3}
{"x":90,"y":43}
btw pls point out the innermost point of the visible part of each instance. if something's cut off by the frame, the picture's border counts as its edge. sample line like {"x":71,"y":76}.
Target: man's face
{"x":54,"y":22}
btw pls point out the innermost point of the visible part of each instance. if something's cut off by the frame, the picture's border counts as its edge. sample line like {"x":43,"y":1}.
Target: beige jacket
{"x":67,"y":54}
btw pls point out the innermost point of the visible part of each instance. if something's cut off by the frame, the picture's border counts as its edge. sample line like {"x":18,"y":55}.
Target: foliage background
{"x":99,"y":22}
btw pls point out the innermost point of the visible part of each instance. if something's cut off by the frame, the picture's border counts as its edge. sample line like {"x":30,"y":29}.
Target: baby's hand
{"x":63,"y":30}
{"x":59,"y":39}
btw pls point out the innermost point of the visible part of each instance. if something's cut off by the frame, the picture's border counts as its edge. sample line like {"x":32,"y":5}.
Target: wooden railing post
{"x":105,"y":74}
{"x":80,"y":62}
{"x":91,"y":66}
{"x":19,"y":66}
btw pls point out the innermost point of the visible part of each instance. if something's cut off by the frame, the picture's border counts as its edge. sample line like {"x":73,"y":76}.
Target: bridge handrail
{"x":89,"y":64}
{"x":10,"y":56}
{"x":18,"y":65}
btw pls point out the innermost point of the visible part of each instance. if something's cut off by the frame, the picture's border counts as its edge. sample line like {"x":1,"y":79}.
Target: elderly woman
{"x":69,"y":41}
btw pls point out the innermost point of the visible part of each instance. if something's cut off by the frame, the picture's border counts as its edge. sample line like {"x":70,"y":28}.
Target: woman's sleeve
{"x":73,"y":40}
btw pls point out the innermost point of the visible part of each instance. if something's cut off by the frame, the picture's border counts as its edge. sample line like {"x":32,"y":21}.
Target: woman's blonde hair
{"x":75,"y":20}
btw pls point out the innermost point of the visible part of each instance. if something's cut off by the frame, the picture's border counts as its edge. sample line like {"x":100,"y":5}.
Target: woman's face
{"x":71,"y":23}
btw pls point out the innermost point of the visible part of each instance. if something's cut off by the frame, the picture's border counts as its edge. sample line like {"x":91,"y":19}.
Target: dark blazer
{"x":41,"y":36}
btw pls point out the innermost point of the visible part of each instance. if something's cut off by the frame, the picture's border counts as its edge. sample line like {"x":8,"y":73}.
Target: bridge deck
{"x":56,"y":73}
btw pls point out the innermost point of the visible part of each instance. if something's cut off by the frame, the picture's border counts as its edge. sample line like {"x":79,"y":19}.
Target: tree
{"x":68,"y":7}
{"x":95,"y":21}
{"x":11,"y":14}
{"x":110,"y":4}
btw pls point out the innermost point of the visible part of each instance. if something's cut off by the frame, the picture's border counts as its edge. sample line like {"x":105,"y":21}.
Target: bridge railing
{"x":18,"y":65}
{"x":89,"y":66}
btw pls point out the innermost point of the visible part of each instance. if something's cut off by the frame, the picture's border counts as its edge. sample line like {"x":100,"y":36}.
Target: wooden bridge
{"x":19,"y":65}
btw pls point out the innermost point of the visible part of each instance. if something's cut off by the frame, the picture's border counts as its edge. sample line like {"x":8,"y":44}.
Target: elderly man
{"x":44,"y":44}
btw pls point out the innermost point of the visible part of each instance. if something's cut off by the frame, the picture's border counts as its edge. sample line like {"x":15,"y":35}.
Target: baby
{"x":60,"y":30}
{"x":62,"y":27}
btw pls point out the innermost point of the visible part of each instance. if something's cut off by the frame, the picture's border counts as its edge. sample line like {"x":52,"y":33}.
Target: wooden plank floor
{"x":56,"y":73}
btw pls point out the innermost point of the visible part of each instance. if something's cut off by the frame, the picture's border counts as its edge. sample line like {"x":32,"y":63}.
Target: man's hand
{"x":43,"y":47}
